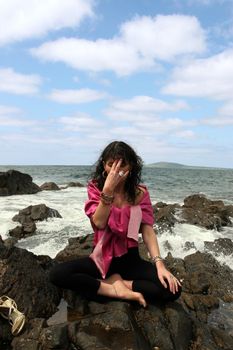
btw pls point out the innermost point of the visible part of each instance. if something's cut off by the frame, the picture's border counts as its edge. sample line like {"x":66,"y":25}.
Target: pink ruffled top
{"x":121,"y":231}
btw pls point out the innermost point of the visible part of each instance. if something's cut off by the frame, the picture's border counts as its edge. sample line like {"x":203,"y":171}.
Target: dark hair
{"x":117,"y":150}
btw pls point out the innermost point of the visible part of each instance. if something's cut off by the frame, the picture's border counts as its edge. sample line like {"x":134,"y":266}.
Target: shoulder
{"x":141,"y":193}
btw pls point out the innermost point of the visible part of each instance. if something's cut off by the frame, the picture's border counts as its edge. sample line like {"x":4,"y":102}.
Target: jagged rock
{"x":72,"y":184}
{"x":28,"y":216}
{"x":21,"y":231}
{"x":112,"y":324}
{"x":23,"y":279}
{"x":79,"y":246}
{"x":14,"y":182}
{"x":197,"y":210}
{"x":220,"y":246}
{"x":49,"y":186}
{"x":37,"y":212}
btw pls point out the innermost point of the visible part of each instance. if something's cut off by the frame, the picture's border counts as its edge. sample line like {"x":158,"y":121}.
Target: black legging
{"x":83,"y":276}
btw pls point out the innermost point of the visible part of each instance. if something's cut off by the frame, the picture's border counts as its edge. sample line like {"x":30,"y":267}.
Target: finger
{"x":171,"y":284}
{"x":125,"y":174}
{"x":118,"y":163}
{"x":114,"y":164}
{"x":162,"y":280}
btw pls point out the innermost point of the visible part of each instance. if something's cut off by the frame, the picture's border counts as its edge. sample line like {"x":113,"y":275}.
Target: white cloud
{"x":23,"y":19}
{"x":17,"y":83}
{"x":164,"y":37}
{"x":93,"y":56}
{"x":81,"y":122}
{"x":218,"y":121}
{"x":9,"y":110}
{"x":224,"y":116}
{"x":76,"y":96}
{"x":142,"y":108}
{"x":210,"y":77}
{"x":138,"y":45}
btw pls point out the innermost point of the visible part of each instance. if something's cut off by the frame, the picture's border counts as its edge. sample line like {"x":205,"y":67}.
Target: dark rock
{"x":72,"y":184}
{"x":112,"y":324}
{"x":25,"y":281}
{"x":25,"y":230}
{"x":38,"y":212}
{"x":27,"y":218}
{"x":77,"y":247}
{"x":220,"y":246}
{"x":197,"y":210}
{"x":49,"y":186}
{"x":189,"y":245}
{"x":165,"y":216}
{"x":14,"y":182}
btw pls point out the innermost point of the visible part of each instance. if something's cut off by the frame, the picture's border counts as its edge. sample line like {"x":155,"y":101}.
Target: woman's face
{"x":123,"y":166}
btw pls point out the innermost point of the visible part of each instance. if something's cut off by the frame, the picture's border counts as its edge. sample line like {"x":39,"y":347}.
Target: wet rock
{"x":23,"y":279}
{"x":72,"y":184}
{"x":28,"y":216}
{"x":197,"y":210}
{"x":49,"y":186}
{"x":189,"y":245}
{"x":165,"y":215}
{"x":21,"y":231}
{"x":110,"y":324}
{"x":37,"y":212}
{"x":77,"y":247}
{"x":220,"y":246}
{"x":14,"y":182}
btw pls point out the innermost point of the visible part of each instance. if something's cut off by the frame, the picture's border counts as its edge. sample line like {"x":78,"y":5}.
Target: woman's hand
{"x":165,"y":275}
{"x":115,"y":176}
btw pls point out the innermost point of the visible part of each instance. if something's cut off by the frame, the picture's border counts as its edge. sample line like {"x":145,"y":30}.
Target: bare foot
{"x":122,"y":292}
{"x":116,"y":277}
{"x":113,"y":278}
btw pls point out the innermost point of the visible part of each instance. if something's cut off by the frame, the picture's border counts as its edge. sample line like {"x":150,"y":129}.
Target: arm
{"x":101,"y":215}
{"x":151,"y":242}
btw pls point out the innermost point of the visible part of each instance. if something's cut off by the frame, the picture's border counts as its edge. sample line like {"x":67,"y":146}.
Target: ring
{"x":121,"y":173}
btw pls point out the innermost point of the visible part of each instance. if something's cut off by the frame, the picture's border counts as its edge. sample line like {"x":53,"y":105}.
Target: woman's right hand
{"x":114,"y":177}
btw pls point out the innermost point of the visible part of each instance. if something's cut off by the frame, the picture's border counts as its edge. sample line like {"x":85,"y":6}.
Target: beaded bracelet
{"x":106,"y":199}
{"x":156,"y":258}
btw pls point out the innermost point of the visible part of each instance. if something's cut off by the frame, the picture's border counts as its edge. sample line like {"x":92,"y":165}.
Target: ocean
{"x":168,"y":185}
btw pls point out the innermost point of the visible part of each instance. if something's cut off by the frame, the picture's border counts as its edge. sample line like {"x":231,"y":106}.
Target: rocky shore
{"x":201,"y":319}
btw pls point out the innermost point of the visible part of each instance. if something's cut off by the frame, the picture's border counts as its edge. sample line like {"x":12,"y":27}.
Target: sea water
{"x":164,"y":184}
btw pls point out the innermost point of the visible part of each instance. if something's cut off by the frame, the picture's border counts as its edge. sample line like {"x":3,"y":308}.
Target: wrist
{"x":108,"y":191}
{"x":159,"y":264}
{"x":106,"y":199}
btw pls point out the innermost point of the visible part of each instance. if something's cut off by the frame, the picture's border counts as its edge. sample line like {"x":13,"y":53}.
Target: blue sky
{"x":77,"y":74}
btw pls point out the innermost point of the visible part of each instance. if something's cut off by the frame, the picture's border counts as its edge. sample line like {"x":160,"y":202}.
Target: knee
{"x":176,"y":295}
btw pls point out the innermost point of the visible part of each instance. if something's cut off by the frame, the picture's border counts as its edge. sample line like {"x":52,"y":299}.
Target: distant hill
{"x":173,"y":165}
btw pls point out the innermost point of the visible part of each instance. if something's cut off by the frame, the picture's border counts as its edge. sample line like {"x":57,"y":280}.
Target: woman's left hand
{"x":164,"y":274}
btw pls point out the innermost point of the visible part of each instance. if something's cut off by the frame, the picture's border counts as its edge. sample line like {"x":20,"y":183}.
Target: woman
{"x":119,"y":207}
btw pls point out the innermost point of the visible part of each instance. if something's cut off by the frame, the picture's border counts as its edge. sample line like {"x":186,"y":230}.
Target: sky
{"x":78,"y":74}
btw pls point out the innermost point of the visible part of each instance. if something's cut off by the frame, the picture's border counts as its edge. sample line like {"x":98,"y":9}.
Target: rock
{"x":25,"y":230}
{"x":38,"y":212}
{"x":27,"y":218}
{"x":23,"y":279}
{"x":49,"y":186}
{"x":77,"y":247}
{"x":72,"y":184}
{"x":197,"y":210}
{"x":165,"y":215}
{"x":220,"y":246}
{"x":110,"y":324}
{"x":14,"y":182}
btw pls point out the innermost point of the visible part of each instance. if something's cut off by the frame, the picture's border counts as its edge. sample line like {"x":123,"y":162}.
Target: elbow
{"x":98,"y":224}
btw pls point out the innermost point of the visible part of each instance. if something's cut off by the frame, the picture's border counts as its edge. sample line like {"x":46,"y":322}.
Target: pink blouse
{"x":121,"y":231}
